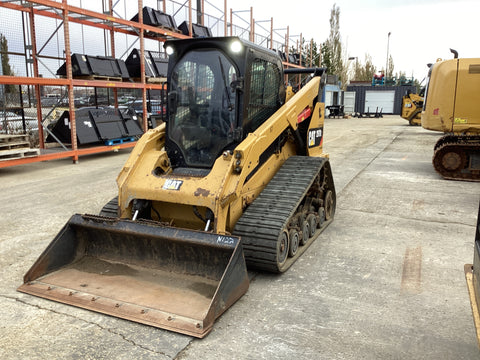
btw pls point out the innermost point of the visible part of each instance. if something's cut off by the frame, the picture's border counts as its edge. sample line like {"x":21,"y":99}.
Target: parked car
{"x":11,"y":123}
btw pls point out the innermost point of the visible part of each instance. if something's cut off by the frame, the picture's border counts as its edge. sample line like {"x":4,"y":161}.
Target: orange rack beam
{"x":66,"y":154}
{"x":88,"y":17}
{"x":22,"y":80}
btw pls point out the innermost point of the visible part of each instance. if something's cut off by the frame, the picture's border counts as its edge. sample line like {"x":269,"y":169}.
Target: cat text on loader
{"x":452,"y":106}
{"x":235,"y":177}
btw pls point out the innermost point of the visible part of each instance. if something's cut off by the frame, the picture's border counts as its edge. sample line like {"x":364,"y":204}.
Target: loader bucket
{"x":171,"y":278}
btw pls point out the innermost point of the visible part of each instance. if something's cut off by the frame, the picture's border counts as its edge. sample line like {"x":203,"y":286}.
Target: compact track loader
{"x":412,"y":105}
{"x":236,"y":177}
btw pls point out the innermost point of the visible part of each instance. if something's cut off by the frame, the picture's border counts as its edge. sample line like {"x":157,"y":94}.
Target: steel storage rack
{"x":67,"y":13}
{"x":110,"y":22}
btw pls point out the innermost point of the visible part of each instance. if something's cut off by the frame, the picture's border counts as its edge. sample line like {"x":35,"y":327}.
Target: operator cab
{"x":220,"y":89}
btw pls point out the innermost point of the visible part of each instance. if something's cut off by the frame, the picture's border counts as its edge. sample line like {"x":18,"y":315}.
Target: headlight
{"x":169,"y":50}
{"x":236,"y":46}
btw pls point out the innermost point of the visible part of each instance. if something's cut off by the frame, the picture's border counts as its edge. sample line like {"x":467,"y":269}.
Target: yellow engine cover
{"x":452,"y":102}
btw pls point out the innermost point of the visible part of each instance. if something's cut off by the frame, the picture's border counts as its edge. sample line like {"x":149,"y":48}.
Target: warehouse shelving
{"x":66,"y":13}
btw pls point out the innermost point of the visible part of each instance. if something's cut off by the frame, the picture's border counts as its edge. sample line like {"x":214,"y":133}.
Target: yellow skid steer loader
{"x":236,"y":177}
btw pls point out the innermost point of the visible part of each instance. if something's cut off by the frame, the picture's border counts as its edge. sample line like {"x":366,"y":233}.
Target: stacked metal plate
{"x":156,"y":18}
{"x":97,"y":126}
{"x":197,"y":30}
{"x":156,"y":64}
{"x":88,"y":65}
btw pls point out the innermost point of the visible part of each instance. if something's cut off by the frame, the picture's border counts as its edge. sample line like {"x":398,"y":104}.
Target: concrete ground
{"x":384,"y":281}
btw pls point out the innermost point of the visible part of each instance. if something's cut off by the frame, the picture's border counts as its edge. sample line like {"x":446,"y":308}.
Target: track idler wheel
{"x":305,"y":232}
{"x":312,"y":222}
{"x":320,"y":217}
{"x":329,"y":205}
{"x":294,"y":242}
{"x":453,"y":161}
{"x":282,"y":248}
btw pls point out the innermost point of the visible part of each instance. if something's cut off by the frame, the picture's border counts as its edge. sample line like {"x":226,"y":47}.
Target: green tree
{"x":311,"y":53}
{"x":6,"y":69}
{"x":365,"y":72}
{"x":390,"y":67}
{"x":332,"y":55}
{"x":316,"y":54}
{"x":327,"y":57}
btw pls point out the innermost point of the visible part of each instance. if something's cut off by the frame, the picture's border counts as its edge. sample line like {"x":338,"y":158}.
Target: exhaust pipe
{"x":455,"y":53}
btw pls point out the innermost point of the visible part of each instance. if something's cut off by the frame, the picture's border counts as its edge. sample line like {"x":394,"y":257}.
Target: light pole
{"x":388,"y":44}
{"x":356,"y":64}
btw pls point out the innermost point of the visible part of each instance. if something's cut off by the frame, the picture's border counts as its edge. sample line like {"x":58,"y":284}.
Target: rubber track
{"x":461,"y":144}
{"x":111,"y":208}
{"x":261,"y":224}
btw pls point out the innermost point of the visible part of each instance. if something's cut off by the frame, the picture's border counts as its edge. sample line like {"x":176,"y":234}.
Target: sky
{"x":421,"y":30}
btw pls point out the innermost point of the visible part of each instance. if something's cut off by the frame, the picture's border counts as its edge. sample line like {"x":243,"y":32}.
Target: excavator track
{"x":446,"y":139}
{"x":292,"y":210}
{"x":458,"y":157}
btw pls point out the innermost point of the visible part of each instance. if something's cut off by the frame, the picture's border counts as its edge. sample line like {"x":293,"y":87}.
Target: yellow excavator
{"x":452,"y":106}
{"x":412,"y":105}
{"x":235,"y":177}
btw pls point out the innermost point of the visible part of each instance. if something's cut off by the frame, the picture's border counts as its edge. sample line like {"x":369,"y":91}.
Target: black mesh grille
{"x":264,"y":87}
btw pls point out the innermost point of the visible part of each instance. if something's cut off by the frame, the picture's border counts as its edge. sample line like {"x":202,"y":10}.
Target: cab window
{"x":264,"y":93}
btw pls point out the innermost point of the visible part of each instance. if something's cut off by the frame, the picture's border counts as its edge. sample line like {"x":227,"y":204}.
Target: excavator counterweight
{"x":452,"y":106}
